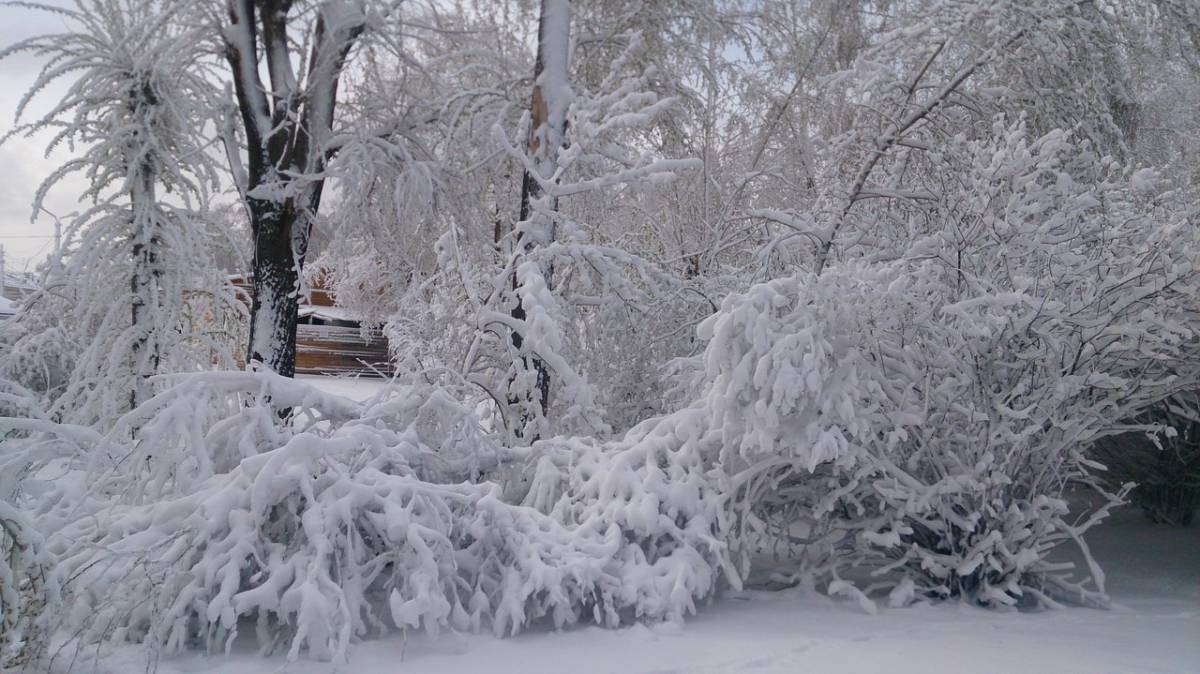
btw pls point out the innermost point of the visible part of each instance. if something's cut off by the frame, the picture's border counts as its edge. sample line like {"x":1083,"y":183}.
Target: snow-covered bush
{"x":914,"y":437}
{"x":365,"y":518}
{"x":1039,"y":302}
{"x":28,"y":589}
{"x":1043,"y":306}
{"x":238,"y":516}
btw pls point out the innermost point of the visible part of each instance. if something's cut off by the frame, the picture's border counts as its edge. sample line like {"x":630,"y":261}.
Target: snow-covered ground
{"x":355,"y":388}
{"x":1154,"y":577}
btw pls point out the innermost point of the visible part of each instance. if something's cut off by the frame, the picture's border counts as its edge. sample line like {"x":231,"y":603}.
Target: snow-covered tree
{"x":441,"y":225}
{"x":853,"y":293}
{"x":134,"y":287}
{"x":288,"y":131}
{"x":548,"y":107}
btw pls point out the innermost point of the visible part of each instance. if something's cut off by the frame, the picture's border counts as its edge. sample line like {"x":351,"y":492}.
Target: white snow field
{"x":1153,"y":574}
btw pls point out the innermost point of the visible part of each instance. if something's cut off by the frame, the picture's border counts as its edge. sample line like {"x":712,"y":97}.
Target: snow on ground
{"x":355,"y":388}
{"x":1153,"y":571}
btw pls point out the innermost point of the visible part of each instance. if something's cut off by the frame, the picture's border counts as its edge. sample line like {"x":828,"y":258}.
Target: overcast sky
{"x":23,"y":164}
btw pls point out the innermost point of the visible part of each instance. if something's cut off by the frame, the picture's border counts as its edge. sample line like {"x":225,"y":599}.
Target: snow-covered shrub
{"x":1038,"y":302}
{"x":28,"y":589}
{"x":927,"y":441}
{"x":236,"y":515}
{"x":359,"y":519}
{"x":985,"y":344}
{"x":1042,"y":306}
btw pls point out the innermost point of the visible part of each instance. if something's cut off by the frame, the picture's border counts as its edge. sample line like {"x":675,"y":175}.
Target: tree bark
{"x":145,"y":279}
{"x":276,"y":289}
{"x":144,"y":285}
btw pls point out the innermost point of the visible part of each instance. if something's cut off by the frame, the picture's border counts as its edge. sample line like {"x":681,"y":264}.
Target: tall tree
{"x":287,"y":127}
{"x":547,"y":134}
{"x":134,"y":267}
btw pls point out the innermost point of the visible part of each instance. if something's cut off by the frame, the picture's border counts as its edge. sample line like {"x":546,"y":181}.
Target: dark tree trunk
{"x":276,"y":286}
{"x":285,"y":125}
